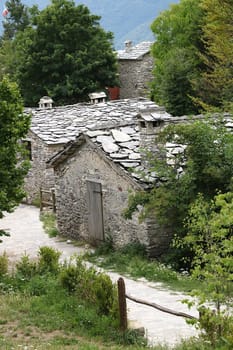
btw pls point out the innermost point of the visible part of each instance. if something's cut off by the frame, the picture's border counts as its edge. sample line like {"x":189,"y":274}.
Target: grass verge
{"x":49,"y":223}
{"x":131,"y":260}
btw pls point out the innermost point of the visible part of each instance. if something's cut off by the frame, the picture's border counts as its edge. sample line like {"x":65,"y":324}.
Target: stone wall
{"x":38,"y":176}
{"x":135,"y":76}
{"x":72,"y":207}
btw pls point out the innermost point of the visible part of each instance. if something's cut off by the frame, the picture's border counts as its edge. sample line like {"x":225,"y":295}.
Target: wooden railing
{"x":122,"y":296}
{"x":47,"y":199}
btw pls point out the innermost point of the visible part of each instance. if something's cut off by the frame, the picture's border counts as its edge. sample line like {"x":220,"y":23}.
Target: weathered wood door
{"x":95,"y":211}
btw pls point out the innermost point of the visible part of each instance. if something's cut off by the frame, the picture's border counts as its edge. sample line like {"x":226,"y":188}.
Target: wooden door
{"x":95,"y":211}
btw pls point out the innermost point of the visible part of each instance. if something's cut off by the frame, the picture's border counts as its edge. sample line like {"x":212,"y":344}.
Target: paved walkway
{"x":27,"y":235}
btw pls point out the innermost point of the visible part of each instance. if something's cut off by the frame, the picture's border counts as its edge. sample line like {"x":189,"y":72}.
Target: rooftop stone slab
{"x":135,"y":52}
{"x":59,"y":124}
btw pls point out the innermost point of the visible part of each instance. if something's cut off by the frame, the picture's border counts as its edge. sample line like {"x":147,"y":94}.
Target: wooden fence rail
{"x":47,"y":199}
{"x":123,"y":309}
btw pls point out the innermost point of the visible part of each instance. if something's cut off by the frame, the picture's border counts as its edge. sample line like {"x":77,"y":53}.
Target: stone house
{"x":52,"y":127}
{"x":93,"y":177}
{"x":135,"y":69}
{"x":93,"y":156}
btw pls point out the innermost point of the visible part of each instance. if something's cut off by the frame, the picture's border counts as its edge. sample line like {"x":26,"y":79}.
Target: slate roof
{"x":121,"y":145}
{"x":60,"y":125}
{"x":135,"y":52}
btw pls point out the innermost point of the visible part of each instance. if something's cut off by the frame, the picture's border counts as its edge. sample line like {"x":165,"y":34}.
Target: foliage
{"x":45,"y":316}
{"x":34,"y":300}
{"x":49,"y":224}
{"x":13,"y":127}
{"x":17,"y":20}
{"x":131,"y":260}
{"x":11,"y":50}
{"x":210,"y":237}
{"x":26,"y":268}
{"x":176,"y":53}
{"x":193,"y":56}
{"x":216,"y":83}
{"x":3,"y":264}
{"x":105,"y":246}
{"x":63,"y":53}
{"x":48,"y":259}
{"x":207,"y":164}
{"x":90,"y":285}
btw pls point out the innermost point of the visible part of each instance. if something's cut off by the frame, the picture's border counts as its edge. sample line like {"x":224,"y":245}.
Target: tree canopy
{"x":217,"y":80}
{"x":193,"y":56}
{"x":63,"y":53}
{"x":176,"y":52}
{"x":17,"y":20}
{"x":207,"y":164}
{"x":13,"y":128}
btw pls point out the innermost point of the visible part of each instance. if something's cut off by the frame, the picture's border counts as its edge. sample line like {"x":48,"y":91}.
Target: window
{"x":28,"y":148}
{"x":142,"y":124}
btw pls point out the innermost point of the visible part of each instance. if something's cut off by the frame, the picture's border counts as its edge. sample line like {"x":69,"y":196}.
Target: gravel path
{"x":27,"y":235}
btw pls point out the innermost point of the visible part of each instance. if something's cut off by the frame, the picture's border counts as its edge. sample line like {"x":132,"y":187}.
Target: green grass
{"x":132,"y":261}
{"x":38,"y":312}
{"x":38,"y":308}
{"x":49,"y":224}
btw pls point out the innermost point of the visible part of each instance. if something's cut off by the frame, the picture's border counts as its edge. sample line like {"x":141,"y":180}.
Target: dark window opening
{"x":142,"y":124}
{"x":157,"y":123}
{"x":28,"y":148}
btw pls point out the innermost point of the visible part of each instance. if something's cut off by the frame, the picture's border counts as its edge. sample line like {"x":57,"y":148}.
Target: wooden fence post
{"x":122,"y":304}
{"x":54,"y":201}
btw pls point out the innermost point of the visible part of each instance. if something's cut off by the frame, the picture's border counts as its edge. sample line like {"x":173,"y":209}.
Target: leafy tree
{"x":13,"y":127}
{"x":66,"y":54}
{"x":17,"y":20}
{"x":12,"y":51}
{"x":176,"y":53}
{"x":7,"y":59}
{"x":216,"y":83}
{"x":207,"y":164}
{"x":210,"y":236}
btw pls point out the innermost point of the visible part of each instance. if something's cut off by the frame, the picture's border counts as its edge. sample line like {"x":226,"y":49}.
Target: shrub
{"x":70,"y":277}
{"x":104,"y":293}
{"x":26,"y":268}
{"x":89,"y":285}
{"x":49,"y":224}
{"x":3,"y":264}
{"x":48,"y":260}
{"x":38,"y":285}
{"x":134,"y":249}
{"x":106,"y":247}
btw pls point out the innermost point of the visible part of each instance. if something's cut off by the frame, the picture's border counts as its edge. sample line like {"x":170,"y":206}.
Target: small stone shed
{"x":93,"y":177}
{"x":135,"y":69}
{"x":52,"y":127}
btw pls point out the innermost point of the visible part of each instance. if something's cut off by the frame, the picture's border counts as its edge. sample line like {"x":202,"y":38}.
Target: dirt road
{"x":27,"y":235}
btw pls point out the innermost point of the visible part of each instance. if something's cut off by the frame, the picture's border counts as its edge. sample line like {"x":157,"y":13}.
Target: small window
{"x":142,"y":124}
{"x":28,"y":147}
{"x":157,"y":123}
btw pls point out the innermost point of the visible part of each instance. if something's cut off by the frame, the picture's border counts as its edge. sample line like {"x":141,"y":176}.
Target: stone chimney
{"x":128,"y":45}
{"x":46,"y":102}
{"x":151,"y":121}
{"x":97,"y":97}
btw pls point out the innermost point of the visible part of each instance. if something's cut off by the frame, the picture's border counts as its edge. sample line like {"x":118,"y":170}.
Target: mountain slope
{"x":127,"y":19}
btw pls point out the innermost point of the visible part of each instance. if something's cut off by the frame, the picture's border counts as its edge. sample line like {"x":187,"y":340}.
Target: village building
{"x":135,"y":69}
{"x":90,"y":153}
{"x":94,"y":175}
{"x":52,"y":127}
